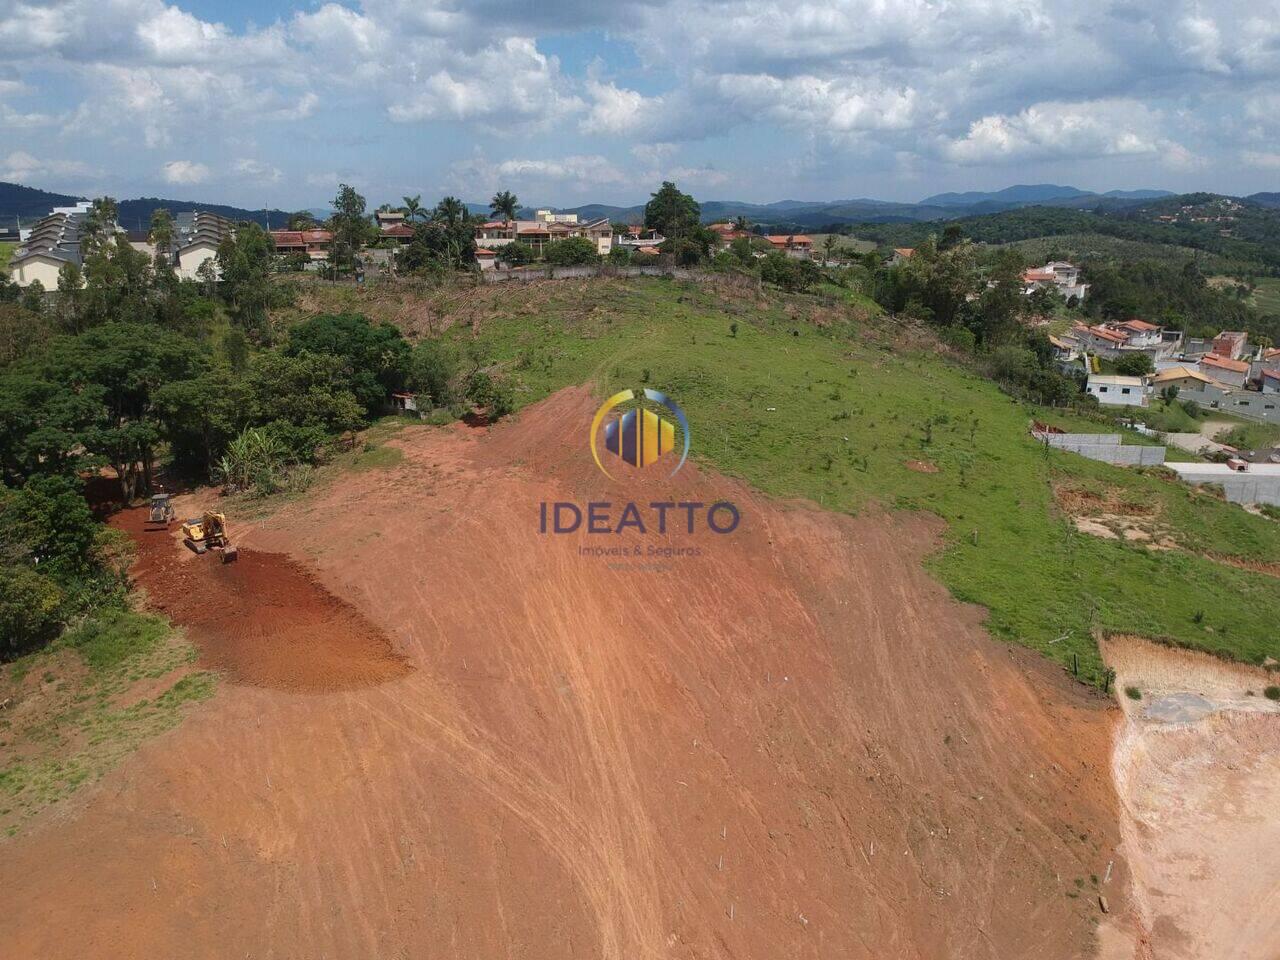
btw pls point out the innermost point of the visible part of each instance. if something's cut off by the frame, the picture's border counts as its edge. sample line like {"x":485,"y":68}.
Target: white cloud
{"x":22,"y":167}
{"x":1264,"y":159}
{"x":1054,"y":130}
{"x":184,"y":172}
{"x":257,"y":171}
{"x":578,"y":169}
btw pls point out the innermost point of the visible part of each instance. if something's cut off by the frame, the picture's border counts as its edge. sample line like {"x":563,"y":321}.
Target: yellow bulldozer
{"x":209,"y":532}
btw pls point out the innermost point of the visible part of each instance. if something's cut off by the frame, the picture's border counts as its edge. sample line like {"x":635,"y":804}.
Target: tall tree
{"x":504,"y":204}
{"x":450,"y":211}
{"x":350,"y":227}
{"x":413,"y":207}
{"x":672,"y":213}
{"x":162,"y":238}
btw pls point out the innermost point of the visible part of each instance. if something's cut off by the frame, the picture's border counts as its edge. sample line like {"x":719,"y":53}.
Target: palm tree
{"x":742,"y":223}
{"x":504,"y":204}
{"x":413,"y":207}
{"x":829,"y":244}
{"x":451,"y":210}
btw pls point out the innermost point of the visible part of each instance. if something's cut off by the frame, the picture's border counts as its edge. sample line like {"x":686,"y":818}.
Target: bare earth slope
{"x":792,"y":745}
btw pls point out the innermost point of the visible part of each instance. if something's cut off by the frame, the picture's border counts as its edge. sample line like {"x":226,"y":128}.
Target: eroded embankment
{"x":262,"y":620}
{"x":790,"y":742}
{"x":1197,"y":768}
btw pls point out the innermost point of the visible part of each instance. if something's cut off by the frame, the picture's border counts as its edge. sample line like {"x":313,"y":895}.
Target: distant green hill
{"x":27,"y":203}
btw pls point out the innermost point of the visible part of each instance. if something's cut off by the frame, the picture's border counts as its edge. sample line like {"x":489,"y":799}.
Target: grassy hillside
{"x":1267,"y":296}
{"x":6,"y":251}
{"x":806,"y":401}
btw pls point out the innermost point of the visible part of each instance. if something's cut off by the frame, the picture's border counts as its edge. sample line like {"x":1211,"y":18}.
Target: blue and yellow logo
{"x":639,"y":436}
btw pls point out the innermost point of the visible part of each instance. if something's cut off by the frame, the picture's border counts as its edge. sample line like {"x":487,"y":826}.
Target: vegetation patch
{"x":74,"y":710}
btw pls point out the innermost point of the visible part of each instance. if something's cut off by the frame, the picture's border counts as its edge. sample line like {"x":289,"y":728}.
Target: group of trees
{"x":128,"y":367}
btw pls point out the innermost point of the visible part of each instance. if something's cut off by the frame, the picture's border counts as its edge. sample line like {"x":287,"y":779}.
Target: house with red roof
{"x":1234,"y":373}
{"x":795,"y":245}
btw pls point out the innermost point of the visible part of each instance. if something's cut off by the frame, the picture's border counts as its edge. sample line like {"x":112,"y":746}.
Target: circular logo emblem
{"x":639,"y":436}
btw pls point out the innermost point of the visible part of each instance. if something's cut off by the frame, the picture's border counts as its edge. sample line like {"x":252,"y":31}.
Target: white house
{"x":1061,"y":276}
{"x":196,"y":236}
{"x":1114,"y":391}
{"x":51,"y":242}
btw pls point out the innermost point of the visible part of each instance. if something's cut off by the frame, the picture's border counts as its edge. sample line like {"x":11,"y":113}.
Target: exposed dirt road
{"x":793,"y":744}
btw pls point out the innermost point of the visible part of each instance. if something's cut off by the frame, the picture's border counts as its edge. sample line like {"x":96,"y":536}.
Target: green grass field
{"x":1267,"y":295}
{"x":851,"y":403}
{"x":1252,"y":436}
{"x":98,"y":693}
{"x":6,"y":251}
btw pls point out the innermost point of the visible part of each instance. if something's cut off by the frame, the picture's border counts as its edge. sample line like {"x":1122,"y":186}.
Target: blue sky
{"x":271,"y":103}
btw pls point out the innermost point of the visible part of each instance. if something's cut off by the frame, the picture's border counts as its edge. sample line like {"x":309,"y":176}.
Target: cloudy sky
{"x":260,"y":102}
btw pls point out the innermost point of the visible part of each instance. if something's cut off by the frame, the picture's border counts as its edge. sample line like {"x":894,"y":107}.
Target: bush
{"x":1272,"y":693}
{"x":516,"y":254}
{"x":1134,"y":365}
{"x":497,"y":398}
{"x":789,"y":273}
{"x":571,"y":251}
{"x":1133,"y":693}
{"x":30,"y":608}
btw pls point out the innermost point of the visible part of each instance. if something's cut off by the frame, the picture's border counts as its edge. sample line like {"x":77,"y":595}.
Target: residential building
{"x":1184,"y":378}
{"x":796,"y":245}
{"x":726,"y":233}
{"x":1058,"y":275}
{"x":1271,"y":381}
{"x":1065,"y":349}
{"x":1231,"y":344}
{"x":313,"y":243}
{"x":1234,"y":373}
{"x":486,"y":258}
{"x":637,"y":237}
{"x":401,"y":233}
{"x":538,"y":233}
{"x":389,"y":218}
{"x":196,"y":236}
{"x":899,"y":256}
{"x":1117,"y":391}
{"x":547,"y":216}
{"x":50,"y":243}
{"x":1114,"y":340}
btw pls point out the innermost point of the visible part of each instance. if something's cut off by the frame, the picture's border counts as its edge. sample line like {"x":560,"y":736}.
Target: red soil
{"x":793,"y":744}
{"x":263,"y":619}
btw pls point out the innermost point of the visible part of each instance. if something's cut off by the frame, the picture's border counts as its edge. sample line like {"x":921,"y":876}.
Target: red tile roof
{"x":797,"y":240}
{"x":485,"y":252}
{"x":1106,"y":334}
{"x":1213,"y":360}
{"x":1139,"y":325}
{"x":397,"y":230}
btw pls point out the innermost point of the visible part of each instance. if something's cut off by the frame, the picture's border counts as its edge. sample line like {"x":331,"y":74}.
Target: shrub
{"x":571,"y":251}
{"x":1272,"y":693}
{"x":1134,"y":365}
{"x":30,"y":608}
{"x":1133,"y":693}
{"x":516,"y":254}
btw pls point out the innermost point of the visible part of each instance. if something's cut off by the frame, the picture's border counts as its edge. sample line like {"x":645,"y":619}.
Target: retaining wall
{"x":1106,"y":447}
{"x":1238,"y":487}
{"x":589,"y":270}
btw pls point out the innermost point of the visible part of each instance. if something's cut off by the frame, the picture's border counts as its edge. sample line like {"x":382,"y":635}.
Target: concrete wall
{"x":1248,"y":487}
{"x":588,"y":270}
{"x":1106,"y":447}
{"x":1264,"y":407}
